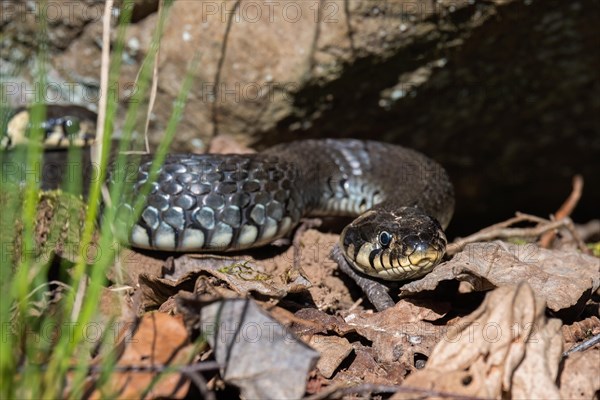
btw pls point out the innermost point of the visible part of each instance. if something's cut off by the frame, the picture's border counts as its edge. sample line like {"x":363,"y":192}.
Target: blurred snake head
{"x":60,"y":129}
{"x":394,"y":245}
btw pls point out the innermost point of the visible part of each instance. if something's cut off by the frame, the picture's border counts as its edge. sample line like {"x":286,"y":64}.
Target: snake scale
{"x":401,"y":200}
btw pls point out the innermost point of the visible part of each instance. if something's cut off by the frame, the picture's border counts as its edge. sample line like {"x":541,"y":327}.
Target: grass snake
{"x":401,"y":199}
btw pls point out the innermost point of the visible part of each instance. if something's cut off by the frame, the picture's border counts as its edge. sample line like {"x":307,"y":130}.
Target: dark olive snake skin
{"x":232,"y":202}
{"x":402,"y":199}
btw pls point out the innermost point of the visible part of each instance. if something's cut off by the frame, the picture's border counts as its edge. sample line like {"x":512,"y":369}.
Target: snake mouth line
{"x":383,"y":266}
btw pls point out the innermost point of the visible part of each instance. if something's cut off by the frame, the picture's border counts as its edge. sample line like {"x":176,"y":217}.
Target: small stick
{"x":519,"y":217}
{"x":583,"y":346}
{"x":154,"y":87}
{"x":376,"y":292}
{"x":501,"y":231}
{"x":96,"y":147}
{"x":565,"y":210}
{"x":369,"y":388}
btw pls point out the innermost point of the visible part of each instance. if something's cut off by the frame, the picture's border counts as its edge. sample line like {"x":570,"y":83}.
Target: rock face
{"x":503,"y":93}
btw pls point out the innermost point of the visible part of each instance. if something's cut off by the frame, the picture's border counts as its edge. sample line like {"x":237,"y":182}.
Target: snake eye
{"x":385,"y":238}
{"x":71,"y":126}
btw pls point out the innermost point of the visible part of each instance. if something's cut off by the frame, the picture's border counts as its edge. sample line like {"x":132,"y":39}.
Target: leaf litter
{"x":494,"y":321}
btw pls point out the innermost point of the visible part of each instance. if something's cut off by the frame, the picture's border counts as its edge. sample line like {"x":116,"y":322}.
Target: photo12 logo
{"x":62,"y":92}
{"x":51,"y":11}
{"x":238,"y":92}
{"x":271,"y":11}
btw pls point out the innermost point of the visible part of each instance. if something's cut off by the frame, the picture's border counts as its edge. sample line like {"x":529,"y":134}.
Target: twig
{"x":192,"y":372}
{"x":79,"y":297}
{"x":286,"y":317}
{"x":96,"y":156}
{"x":201,"y":384}
{"x":154,"y":87}
{"x":519,"y":217}
{"x":104,"y":76}
{"x":97,"y":145}
{"x":583,"y":346}
{"x":502,"y":231}
{"x":338,"y":392}
{"x":184,"y":369}
{"x":219,"y":71}
{"x":376,"y":292}
{"x":589,"y":230}
{"x":565,"y":210}
{"x":46,"y":284}
{"x":121,"y":288}
{"x":355,"y":305}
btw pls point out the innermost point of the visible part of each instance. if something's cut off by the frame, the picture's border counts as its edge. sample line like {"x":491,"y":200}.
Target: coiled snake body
{"x":402,"y":199}
{"x":231,"y":202}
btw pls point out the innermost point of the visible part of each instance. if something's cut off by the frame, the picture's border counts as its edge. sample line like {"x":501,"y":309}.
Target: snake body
{"x":401,"y":199}
{"x":230,"y":202}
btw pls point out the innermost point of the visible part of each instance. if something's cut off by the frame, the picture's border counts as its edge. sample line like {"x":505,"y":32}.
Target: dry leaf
{"x":365,"y":368}
{"x":581,"y":330}
{"x":399,"y":332}
{"x":333,"y":350}
{"x":255,"y":352}
{"x":580,"y":377}
{"x":311,"y":321}
{"x":505,"y":348}
{"x":159,"y":340}
{"x":242,"y":274}
{"x":155,"y":290}
{"x":560,"y":277}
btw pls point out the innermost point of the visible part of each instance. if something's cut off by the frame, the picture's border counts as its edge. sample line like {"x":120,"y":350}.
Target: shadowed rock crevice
{"x":503,"y":94}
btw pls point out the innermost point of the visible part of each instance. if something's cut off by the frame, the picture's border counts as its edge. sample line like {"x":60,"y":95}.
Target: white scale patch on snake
{"x":139,"y":236}
{"x":221,"y":236}
{"x":270,"y":228}
{"x":248,"y":235}
{"x":285,"y":224}
{"x":357,"y":197}
{"x":164,"y":237}
{"x":193,"y":239}
{"x":352,"y":160}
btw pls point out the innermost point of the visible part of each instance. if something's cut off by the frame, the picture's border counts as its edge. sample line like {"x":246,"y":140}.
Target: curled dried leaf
{"x":505,"y":346}
{"x":560,"y":277}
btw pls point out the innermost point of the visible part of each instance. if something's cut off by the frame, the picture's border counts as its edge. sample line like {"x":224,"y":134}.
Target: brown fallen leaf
{"x":364,"y":368}
{"x":160,"y":340}
{"x":504,"y":349}
{"x":400,"y":332}
{"x":580,"y":377}
{"x":155,"y":290}
{"x":559,"y":277}
{"x":333,"y":350}
{"x":581,"y":330}
{"x":242,"y":274}
{"x":311,"y":321}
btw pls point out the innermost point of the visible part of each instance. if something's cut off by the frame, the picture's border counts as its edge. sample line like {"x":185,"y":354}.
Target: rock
{"x":502,"y":92}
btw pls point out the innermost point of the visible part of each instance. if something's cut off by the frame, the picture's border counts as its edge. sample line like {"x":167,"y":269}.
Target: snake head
{"x":394,"y":245}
